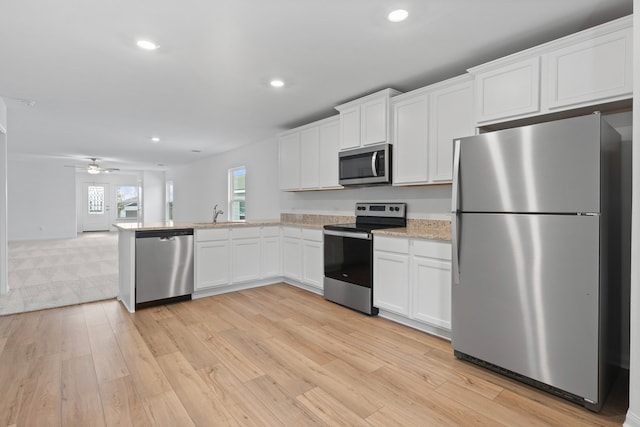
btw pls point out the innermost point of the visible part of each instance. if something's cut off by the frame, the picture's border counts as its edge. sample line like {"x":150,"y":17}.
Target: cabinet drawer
{"x":271,"y":231}
{"x":312,"y":234}
{"x":212,"y":234}
{"x":432,"y":249}
{"x":391,"y":244}
{"x":291,"y":232}
{"x":245,"y":232}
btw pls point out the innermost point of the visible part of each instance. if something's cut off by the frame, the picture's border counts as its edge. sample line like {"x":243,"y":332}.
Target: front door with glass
{"x":96,"y":207}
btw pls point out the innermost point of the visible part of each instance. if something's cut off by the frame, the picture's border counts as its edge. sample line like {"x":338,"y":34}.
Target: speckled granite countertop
{"x":170,"y":225}
{"x":435,"y":229}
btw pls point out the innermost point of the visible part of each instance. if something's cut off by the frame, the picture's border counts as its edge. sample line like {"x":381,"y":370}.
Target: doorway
{"x":95,"y":210}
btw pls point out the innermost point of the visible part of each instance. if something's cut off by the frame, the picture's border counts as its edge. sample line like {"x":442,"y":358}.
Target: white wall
{"x":3,"y":115}
{"x":153,"y":196}
{"x":199,"y":186}
{"x":41,"y":199}
{"x":4,"y":285}
{"x":633,"y":414}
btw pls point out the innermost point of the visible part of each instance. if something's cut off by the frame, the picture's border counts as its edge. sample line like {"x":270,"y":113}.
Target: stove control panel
{"x":387,"y":210}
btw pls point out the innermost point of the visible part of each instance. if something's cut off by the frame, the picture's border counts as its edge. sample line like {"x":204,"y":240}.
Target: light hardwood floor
{"x":270,"y":356}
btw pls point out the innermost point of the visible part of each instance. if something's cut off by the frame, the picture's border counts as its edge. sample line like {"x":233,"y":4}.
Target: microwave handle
{"x":374,"y":169}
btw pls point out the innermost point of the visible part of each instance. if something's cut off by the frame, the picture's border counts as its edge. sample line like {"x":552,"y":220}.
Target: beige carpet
{"x":55,"y":273}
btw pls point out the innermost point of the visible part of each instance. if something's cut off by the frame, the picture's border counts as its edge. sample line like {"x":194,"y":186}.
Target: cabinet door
{"x":391,"y":282}
{"x":290,"y":162}
{"x":431,"y":291}
{"x":410,"y":140}
{"x":508,"y":92}
{"x":291,"y":258}
{"x":270,"y":257}
{"x":373,"y":121}
{"x":309,"y":162}
{"x":212,"y":264}
{"x":350,"y":128}
{"x":329,"y":148}
{"x":312,"y":263}
{"x":245,"y":260}
{"x":450,"y":117}
{"x":590,"y":71}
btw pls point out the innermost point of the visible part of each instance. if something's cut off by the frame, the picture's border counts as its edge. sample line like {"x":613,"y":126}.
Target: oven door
{"x":348,"y":257}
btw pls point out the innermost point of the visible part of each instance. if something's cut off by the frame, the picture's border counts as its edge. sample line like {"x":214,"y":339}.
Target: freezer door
{"x":527,"y":297}
{"x":551,"y":167}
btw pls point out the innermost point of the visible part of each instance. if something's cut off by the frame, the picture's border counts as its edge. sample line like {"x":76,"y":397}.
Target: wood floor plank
{"x":42,"y":398}
{"x":14,"y":368}
{"x":122,"y":406}
{"x":81,"y":401}
{"x":75,"y":336}
{"x":329,"y":410}
{"x":193,"y":348}
{"x":225,"y":353}
{"x":198,"y":399}
{"x":166,"y":410}
{"x":355,"y":396}
{"x":266,"y":392}
{"x":147,"y":377}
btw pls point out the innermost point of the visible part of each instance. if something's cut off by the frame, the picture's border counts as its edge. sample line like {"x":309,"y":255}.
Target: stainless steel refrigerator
{"x":535,"y":233}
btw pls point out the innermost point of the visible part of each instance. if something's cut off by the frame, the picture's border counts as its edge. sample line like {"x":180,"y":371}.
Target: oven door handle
{"x":351,"y":235}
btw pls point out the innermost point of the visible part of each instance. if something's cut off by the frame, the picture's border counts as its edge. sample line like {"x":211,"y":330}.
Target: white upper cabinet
{"x":329,"y":148}
{"x":365,"y":121}
{"x":289,"y":145}
{"x":309,"y":156}
{"x":509,"y":91}
{"x":587,"y":68}
{"x":596,"y":69}
{"x":450,"y":117}
{"x":425,"y":122}
{"x":309,"y":152}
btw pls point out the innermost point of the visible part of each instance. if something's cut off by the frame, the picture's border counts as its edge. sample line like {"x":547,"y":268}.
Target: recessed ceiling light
{"x":276,"y":83}
{"x":195,"y":151}
{"x":155,"y":139}
{"x":398,"y":15}
{"x":147,"y":45}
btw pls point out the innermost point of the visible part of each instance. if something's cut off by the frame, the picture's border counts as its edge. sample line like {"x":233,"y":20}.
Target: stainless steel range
{"x":348,"y":254}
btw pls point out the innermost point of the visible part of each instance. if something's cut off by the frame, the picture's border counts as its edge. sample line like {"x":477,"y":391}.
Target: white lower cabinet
{"x":291,"y":256}
{"x":212,"y":258}
{"x":236,"y":255}
{"x":270,"y":252}
{"x":245,"y":254}
{"x":412,"y":278}
{"x":303,"y":256}
{"x":312,"y":258}
{"x":431,"y":282}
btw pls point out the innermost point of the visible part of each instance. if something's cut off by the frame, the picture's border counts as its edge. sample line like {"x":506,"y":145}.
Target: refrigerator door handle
{"x":455,"y":264}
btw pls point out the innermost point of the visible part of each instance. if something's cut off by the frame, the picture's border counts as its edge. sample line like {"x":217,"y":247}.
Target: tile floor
{"x":54,"y":273}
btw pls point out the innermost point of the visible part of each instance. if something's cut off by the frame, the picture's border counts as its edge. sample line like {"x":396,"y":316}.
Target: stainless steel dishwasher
{"x":164,"y":266}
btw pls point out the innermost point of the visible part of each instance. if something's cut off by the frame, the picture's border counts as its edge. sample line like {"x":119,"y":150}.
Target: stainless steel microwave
{"x":365,"y":166}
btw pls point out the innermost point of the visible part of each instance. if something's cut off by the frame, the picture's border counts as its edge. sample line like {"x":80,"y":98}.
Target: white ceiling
{"x":97,"y":95}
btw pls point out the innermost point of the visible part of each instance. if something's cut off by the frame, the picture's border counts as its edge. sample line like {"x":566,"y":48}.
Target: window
{"x":169,"y":198}
{"x":127,"y":202}
{"x":237,"y":193}
{"x":96,"y":199}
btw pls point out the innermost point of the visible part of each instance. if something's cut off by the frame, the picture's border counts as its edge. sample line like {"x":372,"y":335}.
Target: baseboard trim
{"x":632,"y":420}
{"x":429,"y":329}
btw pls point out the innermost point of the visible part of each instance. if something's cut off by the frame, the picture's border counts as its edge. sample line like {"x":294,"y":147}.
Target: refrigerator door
{"x":527,"y":297}
{"x":551,"y":167}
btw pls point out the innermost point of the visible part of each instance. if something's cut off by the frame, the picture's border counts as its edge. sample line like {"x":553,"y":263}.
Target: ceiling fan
{"x":94,"y":168}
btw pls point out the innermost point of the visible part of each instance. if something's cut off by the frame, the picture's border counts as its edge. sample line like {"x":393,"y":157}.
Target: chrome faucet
{"x":216,"y":212}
